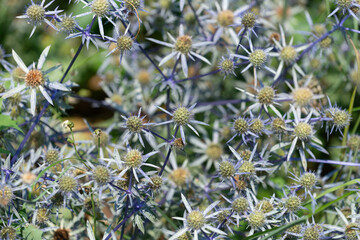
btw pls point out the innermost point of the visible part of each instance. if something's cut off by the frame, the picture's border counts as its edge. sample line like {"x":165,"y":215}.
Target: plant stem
{"x":42,"y":112}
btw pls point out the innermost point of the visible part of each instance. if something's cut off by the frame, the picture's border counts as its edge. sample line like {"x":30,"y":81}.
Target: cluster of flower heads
{"x":222,"y":125}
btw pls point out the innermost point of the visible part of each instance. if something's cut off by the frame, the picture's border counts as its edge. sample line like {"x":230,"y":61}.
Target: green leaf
{"x":169,"y":220}
{"x":139,"y":223}
{"x":277,"y":230}
{"x":351,"y":106}
{"x":150,"y":217}
{"x":4,"y":151}
{"x":279,"y":181}
{"x":31,"y":232}
{"x":333,"y":189}
{"x":322,"y":208}
{"x":356,"y":109}
{"x":7,"y":122}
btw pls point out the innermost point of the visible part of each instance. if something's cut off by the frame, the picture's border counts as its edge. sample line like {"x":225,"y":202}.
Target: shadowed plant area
{"x":179,"y":119}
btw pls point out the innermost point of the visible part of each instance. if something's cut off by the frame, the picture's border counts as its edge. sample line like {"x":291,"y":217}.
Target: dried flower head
{"x":6,"y":195}
{"x":8,"y":233}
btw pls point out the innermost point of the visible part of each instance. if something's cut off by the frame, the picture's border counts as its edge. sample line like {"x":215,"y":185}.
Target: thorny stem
{"x":174,"y":69}
{"x":136,"y":209}
{"x":198,"y":76}
{"x":221,"y":102}
{"x":155,"y":134}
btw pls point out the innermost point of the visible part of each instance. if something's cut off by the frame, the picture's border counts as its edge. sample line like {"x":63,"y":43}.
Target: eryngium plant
{"x":179,"y":119}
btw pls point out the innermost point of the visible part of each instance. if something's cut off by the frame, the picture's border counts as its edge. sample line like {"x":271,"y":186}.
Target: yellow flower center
{"x":195,"y":220}
{"x":183,"y":44}
{"x":134,"y":124}
{"x":302,"y":96}
{"x":124,"y":43}
{"x":6,"y":194}
{"x":36,"y":13}
{"x":257,"y":219}
{"x":248,"y":20}
{"x":226,"y":169}
{"x":181,"y":116}
{"x":266,"y":95}
{"x":303,"y":131}
{"x":133,"y":158}
{"x":288,"y":54}
{"x":100,"y":7}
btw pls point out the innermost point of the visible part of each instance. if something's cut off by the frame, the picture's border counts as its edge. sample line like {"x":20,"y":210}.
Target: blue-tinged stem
{"x":155,"y":134}
{"x":222,"y":224}
{"x":122,"y":222}
{"x":197,"y":19}
{"x":198,"y":76}
{"x":37,"y":120}
{"x":127,"y":204}
{"x":241,"y":38}
{"x":168,"y":154}
{"x":166,"y":160}
{"x":207,"y":74}
{"x":221,"y":102}
{"x":144,"y":51}
{"x":352,"y":164}
{"x":174,"y":69}
{"x":207,"y":236}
